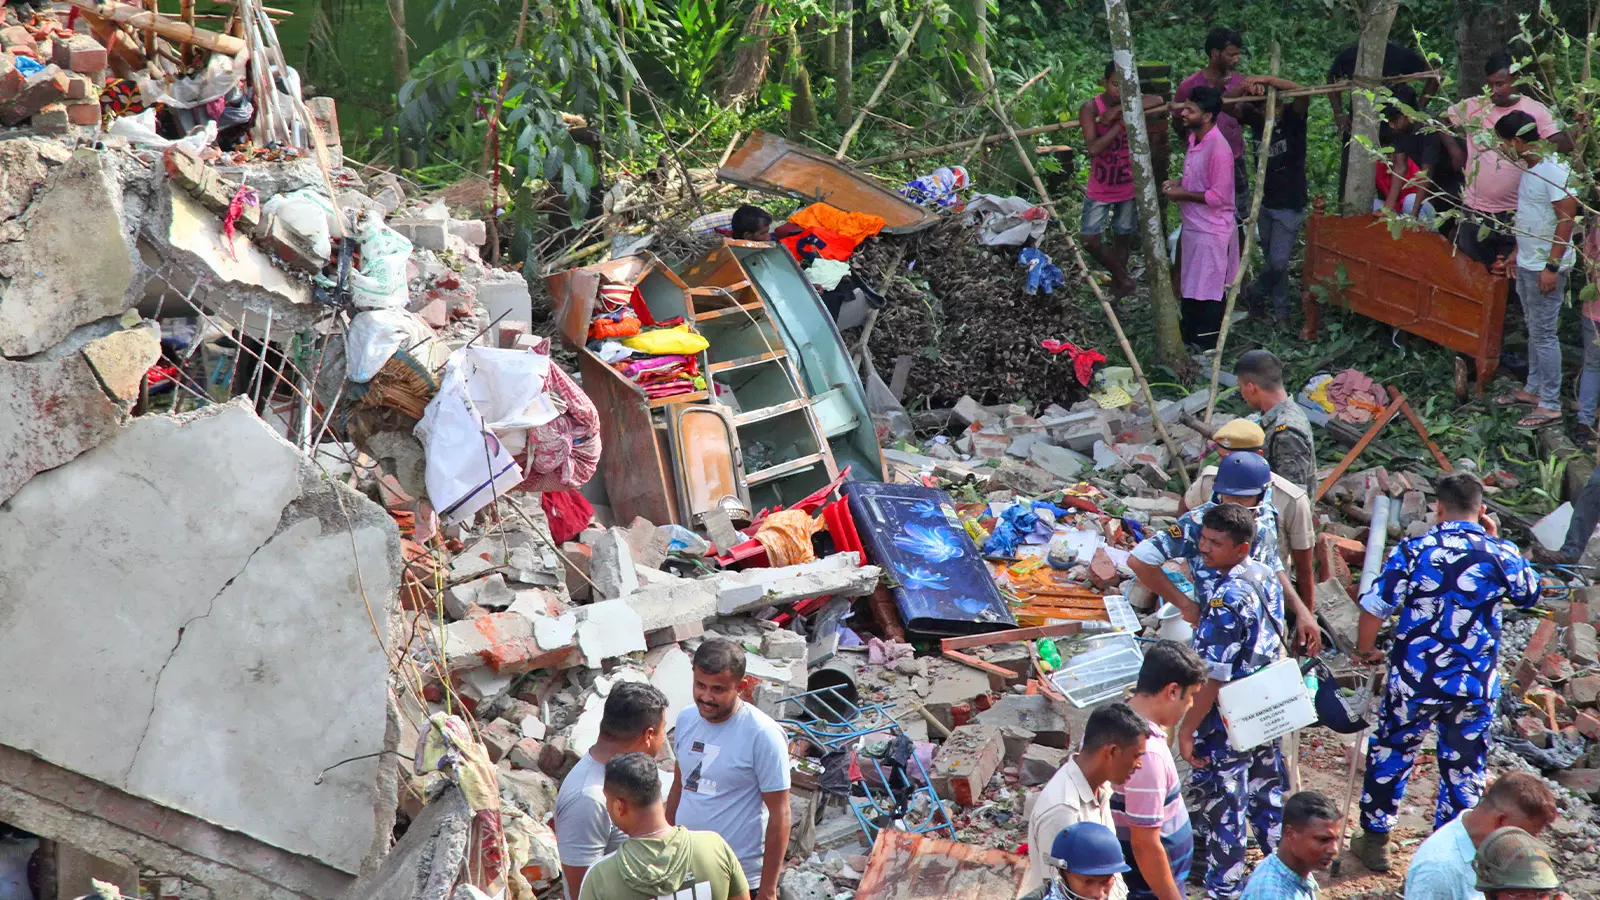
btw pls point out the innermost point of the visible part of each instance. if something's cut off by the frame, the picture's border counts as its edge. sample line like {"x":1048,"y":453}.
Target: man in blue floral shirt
{"x":1240,"y":628}
{"x":1242,"y":479}
{"x":1447,"y":587}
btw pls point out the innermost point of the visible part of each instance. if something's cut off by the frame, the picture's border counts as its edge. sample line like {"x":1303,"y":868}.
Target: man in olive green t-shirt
{"x":658,"y":861}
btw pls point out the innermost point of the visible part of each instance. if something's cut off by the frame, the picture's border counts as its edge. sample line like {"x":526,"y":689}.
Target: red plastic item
{"x":842,"y":527}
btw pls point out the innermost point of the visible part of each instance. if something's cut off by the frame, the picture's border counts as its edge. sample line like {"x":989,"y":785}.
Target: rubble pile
{"x":963,"y":313}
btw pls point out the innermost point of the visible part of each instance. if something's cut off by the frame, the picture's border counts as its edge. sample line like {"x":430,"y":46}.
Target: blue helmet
{"x":1242,"y":474}
{"x":1088,"y":848}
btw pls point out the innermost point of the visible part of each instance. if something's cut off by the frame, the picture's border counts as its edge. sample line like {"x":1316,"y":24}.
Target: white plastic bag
{"x":477,"y":422}
{"x":309,"y":213}
{"x":141,"y":129}
{"x":375,"y":335}
{"x":381,"y":282}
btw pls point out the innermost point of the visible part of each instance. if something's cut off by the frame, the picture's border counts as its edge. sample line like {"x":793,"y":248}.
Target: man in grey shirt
{"x":732,"y":775}
{"x":634,"y":721}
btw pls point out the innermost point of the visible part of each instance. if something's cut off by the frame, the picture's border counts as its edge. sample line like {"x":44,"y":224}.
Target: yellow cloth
{"x":786,"y":535}
{"x":667,"y":342}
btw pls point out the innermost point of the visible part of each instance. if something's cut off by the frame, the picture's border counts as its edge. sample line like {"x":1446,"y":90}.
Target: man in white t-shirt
{"x":1546,"y":212}
{"x":1490,"y":197}
{"x":634,"y":721}
{"x":732,"y":775}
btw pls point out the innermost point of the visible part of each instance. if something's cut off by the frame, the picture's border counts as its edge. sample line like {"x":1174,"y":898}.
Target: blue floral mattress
{"x":913,"y":532}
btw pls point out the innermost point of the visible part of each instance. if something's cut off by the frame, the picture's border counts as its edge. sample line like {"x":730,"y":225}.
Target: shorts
{"x":1121,"y":214}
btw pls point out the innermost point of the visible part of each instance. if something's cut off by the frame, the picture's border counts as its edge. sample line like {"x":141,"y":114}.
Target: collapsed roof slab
{"x":214,"y":616}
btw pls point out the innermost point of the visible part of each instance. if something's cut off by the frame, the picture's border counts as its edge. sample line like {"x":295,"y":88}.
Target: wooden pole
{"x":1094,"y":286}
{"x":978,"y":144}
{"x":1263,"y":156}
{"x":905,"y":45}
{"x":145,"y":20}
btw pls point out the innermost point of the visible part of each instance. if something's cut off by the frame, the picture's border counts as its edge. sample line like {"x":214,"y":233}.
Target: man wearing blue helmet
{"x":1087,"y":863}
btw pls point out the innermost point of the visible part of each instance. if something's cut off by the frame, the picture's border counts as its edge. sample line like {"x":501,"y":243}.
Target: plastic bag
{"x":381,"y":282}
{"x":141,"y":129}
{"x":186,"y":93}
{"x":375,"y":335}
{"x":889,"y":418}
{"x":477,"y":422}
{"x":309,"y":213}
{"x":662,"y":341}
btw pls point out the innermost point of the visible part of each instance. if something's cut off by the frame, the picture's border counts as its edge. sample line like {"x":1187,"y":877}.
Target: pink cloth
{"x":1210,"y":240}
{"x":1111,"y":173}
{"x":1356,"y":397}
{"x":1228,"y":125}
{"x":1591,"y":252}
{"x":1491,"y":178}
{"x":563,"y":452}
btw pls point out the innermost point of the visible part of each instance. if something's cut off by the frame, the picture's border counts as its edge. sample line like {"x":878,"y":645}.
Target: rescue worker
{"x":1513,"y":865}
{"x":1240,"y":631}
{"x":1242,"y":479}
{"x":1447,"y":586}
{"x":1085,"y":863}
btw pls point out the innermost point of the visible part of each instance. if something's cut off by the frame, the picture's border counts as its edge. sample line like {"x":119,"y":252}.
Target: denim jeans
{"x":1585,"y":515}
{"x":1542,"y":312}
{"x":1277,"y":231}
{"x":1589,"y":377}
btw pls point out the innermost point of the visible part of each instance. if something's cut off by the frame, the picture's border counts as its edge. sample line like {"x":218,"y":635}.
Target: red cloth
{"x":1384,"y":180}
{"x":569,"y":514}
{"x":1083,"y":361}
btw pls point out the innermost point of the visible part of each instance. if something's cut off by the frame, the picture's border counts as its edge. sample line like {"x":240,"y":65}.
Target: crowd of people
{"x":1486,"y":171}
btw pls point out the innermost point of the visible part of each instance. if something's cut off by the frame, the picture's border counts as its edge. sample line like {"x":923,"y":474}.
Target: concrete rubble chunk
{"x":31,"y":441}
{"x":247,"y":621}
{"x":783,"y":644}
{"x":965,"y":762}
{"x":611,"y":567}
{"x":121,"y":359}
{"x":1581,"y":644}
{"x":1034,"y":712}
{"x":839,"y":575}
{"x":674,"y":677}
{"x":1058,"y":461}
{"x":1039,"y":763}
{"x":466,"y":642}
{"x":675,"y":602}
{"x":73,"y":263}
{"x":427,"y":861}
{"x":609,"y":629}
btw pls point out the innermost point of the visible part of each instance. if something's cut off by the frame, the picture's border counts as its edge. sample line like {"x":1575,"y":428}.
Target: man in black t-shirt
{"x":1397,"y":60}
{"x":1415,"y":142}
{"x":1283,"y":198}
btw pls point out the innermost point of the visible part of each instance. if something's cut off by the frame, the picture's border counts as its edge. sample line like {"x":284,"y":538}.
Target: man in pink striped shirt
{"x":1209,"y":247}
{"x":1152,"y":822}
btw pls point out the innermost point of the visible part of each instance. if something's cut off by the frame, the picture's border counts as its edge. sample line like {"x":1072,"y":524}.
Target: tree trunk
{"x":1484,"y":27}
{"x":750,"y":61}
{"x":400,"y":60}
{"x":1360,"y":185}
{"x":979,"y":47}
{"x":1163,"y":303}
{"x":844,"y":68}
{"x":803,"y":106}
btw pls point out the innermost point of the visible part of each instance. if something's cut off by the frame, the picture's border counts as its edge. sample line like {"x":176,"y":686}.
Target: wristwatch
{"x":1552,"y":266}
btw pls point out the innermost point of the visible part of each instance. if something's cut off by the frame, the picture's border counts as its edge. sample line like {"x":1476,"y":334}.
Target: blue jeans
{"x":1542,"y":312}
{"x":1589,"y":377}
{"x":1277,"y":231}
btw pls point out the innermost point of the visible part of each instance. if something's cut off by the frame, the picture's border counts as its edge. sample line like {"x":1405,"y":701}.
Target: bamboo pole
{"x":171,"y":29}
{"x":978,"y":144}
{"x":1263,"y":158}
{"x":1094,"y":286}
{"x":1314,"y":91}
{"x":905,"y":45}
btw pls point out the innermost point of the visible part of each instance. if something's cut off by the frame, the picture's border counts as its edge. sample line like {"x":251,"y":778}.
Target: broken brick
{"x":1582,"y":644}
{"x":524,"y":655}
{"x":1532,"y":729}
{"x":1579,"y":781}
{"x":53,"y":119}
{"x":78,"y":53}
{"x":1555,"y":668}
{"x":1539,"y":643}
{"x":968,"y":759}
{"x":87,"y":114}
{"x":961,"y":714}
{"x":1588,"y":725}
{"x":524,"y":754}
{"x":1102,"y":571}
{"x":498,"y":737}
{"x":1584,"y":691}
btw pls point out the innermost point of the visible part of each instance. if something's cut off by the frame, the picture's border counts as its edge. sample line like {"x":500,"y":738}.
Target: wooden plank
{"x":976,"y":663}
{"x":1422,"y":432}
{"x":171,"y":29}
{"x":1344,"y":464}
{"x":907,"y":866}
{"x":637,"y":477}
{"x":966,"y":641}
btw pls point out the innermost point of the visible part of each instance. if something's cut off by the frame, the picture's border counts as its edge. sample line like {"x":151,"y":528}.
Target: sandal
{"x":1539,"y":418}
{"x":1516,"y":398}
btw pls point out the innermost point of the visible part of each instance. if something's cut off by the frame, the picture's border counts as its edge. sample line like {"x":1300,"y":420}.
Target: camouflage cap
{"x":1240,"y":434}
{"x":1511,"y":859}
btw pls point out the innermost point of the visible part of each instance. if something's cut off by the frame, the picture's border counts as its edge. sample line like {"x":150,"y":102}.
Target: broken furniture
{"x":766,"y":162}
{"x":1415,"y":282}
{"x":1397,"y":405}
{"x":906,"y":866}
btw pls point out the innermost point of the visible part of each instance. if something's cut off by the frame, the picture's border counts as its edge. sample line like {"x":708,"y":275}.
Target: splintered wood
{"x":906,"y":866}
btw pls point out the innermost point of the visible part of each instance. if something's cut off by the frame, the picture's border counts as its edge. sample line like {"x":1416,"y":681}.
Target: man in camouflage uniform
{"x":1289,"y":447}
{"x":1240,"y":629}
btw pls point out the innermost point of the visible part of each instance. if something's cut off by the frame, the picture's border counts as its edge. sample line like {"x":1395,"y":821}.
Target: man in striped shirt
{"x":1152,"y":822}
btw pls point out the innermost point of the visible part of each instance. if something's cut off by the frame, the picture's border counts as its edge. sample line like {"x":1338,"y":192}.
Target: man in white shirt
{"x":1546,"y":212}
{"x":732,"y":775}
{"x":1080,"y":791}
{"x":1442,"y":867}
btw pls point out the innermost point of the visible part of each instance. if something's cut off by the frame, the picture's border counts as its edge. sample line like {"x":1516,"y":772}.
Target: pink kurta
{"x":1210,"y":240}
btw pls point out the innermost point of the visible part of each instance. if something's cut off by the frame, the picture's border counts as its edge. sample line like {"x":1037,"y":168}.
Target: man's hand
{"x":1186,"y":748}
{"x":1368,"y":656}
{"x":1490,"y":527}
{"x":1547,"y":281}
{"x":767,"y":892}
{"x":1308,"y":636}
{"x":1110,"y":115}
{"x":1172,"y":187}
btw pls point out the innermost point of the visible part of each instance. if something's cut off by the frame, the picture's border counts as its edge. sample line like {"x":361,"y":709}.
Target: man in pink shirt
{"x":1223,"y":48}
{"x":1208,"y":249}
{"x":1152,"y":821}
{"x":1492,"y":176}
{"x":1108,"y":197}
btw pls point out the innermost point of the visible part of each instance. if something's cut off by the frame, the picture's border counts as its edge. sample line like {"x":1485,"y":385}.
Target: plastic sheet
{"x":214,"y":83}
{"x":381,"y":282}
{"x":309,"y":213}
{"x":141,"y":129}
{"x":375,"y":335}
{"x":1006,"y":221}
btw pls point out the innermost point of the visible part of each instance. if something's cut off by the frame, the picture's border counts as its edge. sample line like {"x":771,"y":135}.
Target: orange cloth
{"x":786,"y":535}
{"x":842,"y":231}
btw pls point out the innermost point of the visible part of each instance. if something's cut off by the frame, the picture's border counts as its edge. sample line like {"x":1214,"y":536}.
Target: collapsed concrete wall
{"x":202,"y":622}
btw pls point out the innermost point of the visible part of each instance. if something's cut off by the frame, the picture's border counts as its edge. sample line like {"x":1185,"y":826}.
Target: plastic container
{"x":1049,"y":655}
{"x":1265,"y":706}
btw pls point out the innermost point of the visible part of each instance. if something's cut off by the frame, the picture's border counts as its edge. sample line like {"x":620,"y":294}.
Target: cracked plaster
{"x":212,"y":662}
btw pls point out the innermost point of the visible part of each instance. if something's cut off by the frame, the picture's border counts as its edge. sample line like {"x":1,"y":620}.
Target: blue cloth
{"x":1235,"y":638}
{"x":28,"y":67}
{"x":1441,"y":869}
{"x":1043,"y":275}
{"x":1182,"y":541}
{"x":1447,"y":586}
{"x":1272,"y":880}
{"x":1013,"y":526}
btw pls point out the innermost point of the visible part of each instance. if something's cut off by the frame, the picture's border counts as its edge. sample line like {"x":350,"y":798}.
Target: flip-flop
{"x":1507,"y":400}
{"x":1539,"y":418}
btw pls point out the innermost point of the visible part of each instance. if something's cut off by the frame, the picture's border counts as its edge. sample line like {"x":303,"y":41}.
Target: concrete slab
{"x":840,"y":575}
{"x":50,"y":412}
{"x":128,"y":599}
